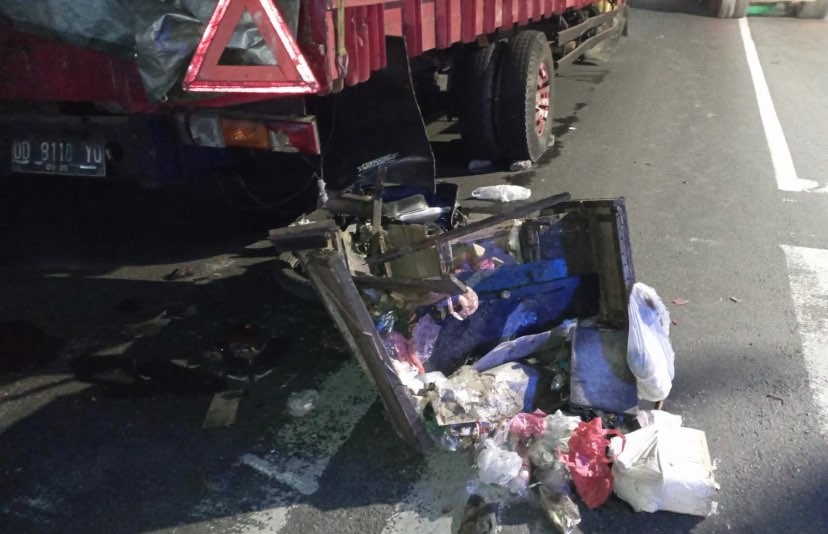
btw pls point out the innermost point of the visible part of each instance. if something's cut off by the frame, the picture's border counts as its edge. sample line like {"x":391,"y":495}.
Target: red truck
{"x":159,"y":92}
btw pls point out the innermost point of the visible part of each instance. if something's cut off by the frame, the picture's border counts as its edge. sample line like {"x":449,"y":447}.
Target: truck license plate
{"x":58,"y":156}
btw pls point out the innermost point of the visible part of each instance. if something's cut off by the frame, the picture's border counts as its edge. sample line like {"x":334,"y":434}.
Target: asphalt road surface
{"x":724,"y":213}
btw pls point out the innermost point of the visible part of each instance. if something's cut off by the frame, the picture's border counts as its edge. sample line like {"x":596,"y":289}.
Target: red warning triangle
{"x":290,"y":75}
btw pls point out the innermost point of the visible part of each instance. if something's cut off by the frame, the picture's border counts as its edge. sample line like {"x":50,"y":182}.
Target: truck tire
{"x":818,"y":9}
{"x":524,"y":97}
{"x":729,"y":9}
{"x":476,"y":102}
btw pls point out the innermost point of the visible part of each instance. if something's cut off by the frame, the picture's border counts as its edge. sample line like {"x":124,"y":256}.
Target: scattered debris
{"x":179,"y":273}
{"x":543,"y":452}
{"x":734,"y":299}
{"x":521,"y":165}
{"x":479,"y":165}
{"x":323,"y":194}
{"x":115,"y":350}
{"x":119,"y":374}
{"x":474,"y":331}
{"x":497,"y":465}
{"x":680,"y":301}
{"x":560,"y":509}
{"x":528,"y":425}
{"x":150,"y":327}
{"x":301,"y":403}
{"x":502,"y":193}
{"x":510,"y":351}
{"x":462,"y":306}
{"x":478,"y":517}
{"x":468,"y":396}
{"x":250,"y":361}
{"x":424,"y":335}
{"x":223,"y":409}
{"x":774,"y":397}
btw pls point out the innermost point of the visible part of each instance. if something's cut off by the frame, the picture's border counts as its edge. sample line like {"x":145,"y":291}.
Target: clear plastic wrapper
{"x":496,"y":465}
{"x":423,"y":336}
{"x":557,"y":429}
{"x":301,"y":403}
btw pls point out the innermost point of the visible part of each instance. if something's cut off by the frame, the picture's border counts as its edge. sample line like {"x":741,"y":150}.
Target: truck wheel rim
{"x":542,"y":99}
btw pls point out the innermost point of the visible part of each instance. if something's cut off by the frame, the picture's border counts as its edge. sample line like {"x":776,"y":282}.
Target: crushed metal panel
{"x":332,"y":280}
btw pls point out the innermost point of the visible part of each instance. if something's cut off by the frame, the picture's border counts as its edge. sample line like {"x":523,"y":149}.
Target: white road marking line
{"x":442,"y":483}
{"x":783,"y":166}
{"x":808,"y":273}
{"x":303,"y":448}
{"x":300,"y":484}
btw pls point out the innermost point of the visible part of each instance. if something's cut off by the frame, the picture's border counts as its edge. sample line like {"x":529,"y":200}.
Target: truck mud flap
{"x":373,"y":119}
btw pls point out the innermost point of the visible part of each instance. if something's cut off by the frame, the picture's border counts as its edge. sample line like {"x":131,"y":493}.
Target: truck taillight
{"x":279,"y":134}
{"x":295,"y":136}
{"x":245,"y":134}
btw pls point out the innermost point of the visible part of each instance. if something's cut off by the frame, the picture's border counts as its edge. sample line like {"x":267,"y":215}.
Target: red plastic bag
{"x":527,"y":425}
{"x":588,"y":462}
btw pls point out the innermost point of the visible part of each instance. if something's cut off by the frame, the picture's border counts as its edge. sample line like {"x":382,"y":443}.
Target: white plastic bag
{"x":502,"y":193}
{"x":650,"y":355}
{"x":666,"y":468}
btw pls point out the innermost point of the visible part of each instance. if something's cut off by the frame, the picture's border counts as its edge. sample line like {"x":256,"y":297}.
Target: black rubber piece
{"x":516,"y":96}
{"x":289,"y":276}
{"x":476,"y":101}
